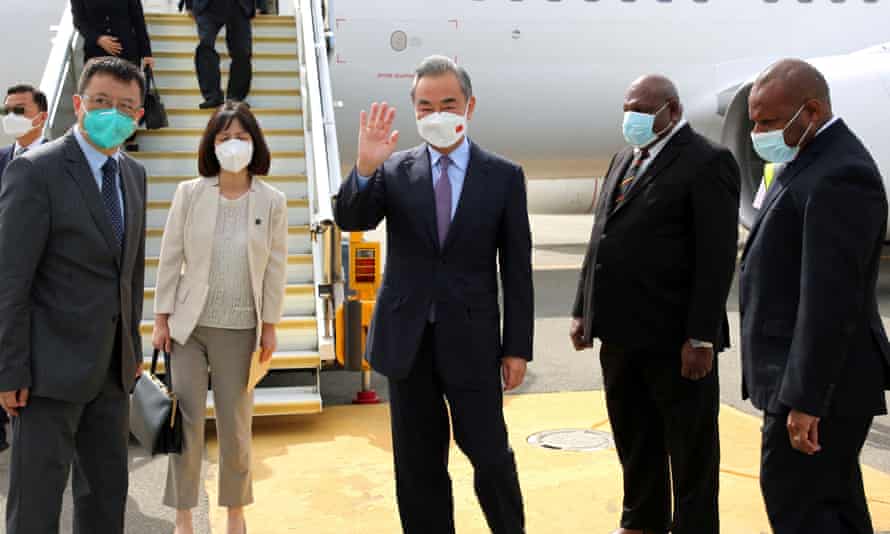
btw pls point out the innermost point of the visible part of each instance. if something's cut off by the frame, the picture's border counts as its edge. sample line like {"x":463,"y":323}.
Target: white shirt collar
{"x":460,"y":156}
{"x":827,"y":124}
{"x":32,"y":146}
{"x":657,"y":147}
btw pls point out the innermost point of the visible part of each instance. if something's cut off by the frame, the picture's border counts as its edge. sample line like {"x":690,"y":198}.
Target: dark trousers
{"x":421,"y":440}
{"x":4,"y":419}
{"x":47,"y":437}
{"x":239,"y":41}
{"x":819,"y":494}
{"x":665,"y":430}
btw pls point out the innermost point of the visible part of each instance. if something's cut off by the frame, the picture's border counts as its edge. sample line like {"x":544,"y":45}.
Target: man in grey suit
{"x":72,"y":249}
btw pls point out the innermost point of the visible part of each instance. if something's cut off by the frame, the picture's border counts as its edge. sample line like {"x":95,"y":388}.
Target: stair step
{"x":281,"y":361}
{"x":260,"y":61}
{"x":188,"y":139}
{"x":181,"y":25}
{"x":299,"y":269}
{"x":298,"y":241}
{"x":269,"y":401}
{"x":269,"y":79}
{"x":295,"y":334}
{"x":163,"y":187}
{"x":258,"y":98}
{"x":176,"y":163}
{"x":188,"y":43}
{"x":268,"y":117}
{"x":299,"y":300}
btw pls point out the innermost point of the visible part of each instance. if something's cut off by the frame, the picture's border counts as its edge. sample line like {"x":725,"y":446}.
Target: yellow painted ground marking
{"x":332,"y":473}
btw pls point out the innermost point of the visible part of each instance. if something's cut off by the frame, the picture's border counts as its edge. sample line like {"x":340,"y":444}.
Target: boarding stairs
{"x":285,"y":93}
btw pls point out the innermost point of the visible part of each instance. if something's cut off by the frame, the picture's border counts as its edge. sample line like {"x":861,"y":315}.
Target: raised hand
{"x":376,"y":140}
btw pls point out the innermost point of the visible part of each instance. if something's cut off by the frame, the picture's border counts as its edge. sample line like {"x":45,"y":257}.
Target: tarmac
{"x":332,"y":472}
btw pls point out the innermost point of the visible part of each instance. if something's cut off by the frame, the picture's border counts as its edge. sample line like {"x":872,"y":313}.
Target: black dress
{"x":122,"y":19}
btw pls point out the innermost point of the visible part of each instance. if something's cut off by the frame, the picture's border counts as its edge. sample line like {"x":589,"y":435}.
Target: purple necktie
{"x":443,"y":200}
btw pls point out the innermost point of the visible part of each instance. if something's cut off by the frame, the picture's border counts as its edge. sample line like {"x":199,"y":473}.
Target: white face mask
{"x":442,"y":130}
{"x":17,"y":125}
{"x":234,"y":154}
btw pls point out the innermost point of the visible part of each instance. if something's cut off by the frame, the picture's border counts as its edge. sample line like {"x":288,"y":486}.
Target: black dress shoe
{"x":210,"y":104}
{"x":3,"y":446}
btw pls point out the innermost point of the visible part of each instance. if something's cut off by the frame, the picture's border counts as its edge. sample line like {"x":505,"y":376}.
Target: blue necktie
{"x":110,"y":199}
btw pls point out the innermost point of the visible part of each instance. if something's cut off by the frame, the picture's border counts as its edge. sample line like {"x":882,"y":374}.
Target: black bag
{"x":155,"y":418}
{"x":155,"y":116}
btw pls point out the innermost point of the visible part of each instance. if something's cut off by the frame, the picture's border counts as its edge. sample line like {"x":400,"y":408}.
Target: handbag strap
{"x":150,"y":86}
{"x":168,"y":371}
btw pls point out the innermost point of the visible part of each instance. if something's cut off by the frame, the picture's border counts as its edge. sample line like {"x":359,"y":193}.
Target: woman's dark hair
{"x":208,"y":164}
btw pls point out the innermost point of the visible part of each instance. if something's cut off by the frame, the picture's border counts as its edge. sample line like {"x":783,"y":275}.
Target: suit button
{"x":602,"y":237}
{"x":598,"y":267}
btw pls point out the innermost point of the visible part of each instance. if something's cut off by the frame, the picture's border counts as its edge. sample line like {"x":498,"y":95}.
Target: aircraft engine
{"x":860,"y":95}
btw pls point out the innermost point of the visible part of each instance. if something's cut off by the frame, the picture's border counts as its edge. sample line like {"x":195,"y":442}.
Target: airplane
{"x":550,"y":75}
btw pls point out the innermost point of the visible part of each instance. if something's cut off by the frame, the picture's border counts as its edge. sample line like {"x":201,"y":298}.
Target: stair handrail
{"x":60,"y":74}
{"x":323,"y":165}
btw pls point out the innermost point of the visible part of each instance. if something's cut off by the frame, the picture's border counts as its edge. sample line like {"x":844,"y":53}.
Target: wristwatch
{"x":699,"y":344}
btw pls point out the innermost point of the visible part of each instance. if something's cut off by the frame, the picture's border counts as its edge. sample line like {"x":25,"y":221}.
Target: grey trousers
{"x":49,"y":436}
{"x":225,"y":353}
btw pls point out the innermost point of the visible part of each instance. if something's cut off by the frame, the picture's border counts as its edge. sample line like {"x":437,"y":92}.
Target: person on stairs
{"x":113,"y":28}
{"x":211,"y":16}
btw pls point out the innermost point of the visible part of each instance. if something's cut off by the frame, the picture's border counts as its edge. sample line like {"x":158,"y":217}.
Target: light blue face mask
{"x":108,"y":128}
{"x":771,"y":146}
{"x":638,"y":127}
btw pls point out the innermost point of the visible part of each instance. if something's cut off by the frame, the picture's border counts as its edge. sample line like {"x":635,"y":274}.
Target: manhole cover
{"x":572,"y":439}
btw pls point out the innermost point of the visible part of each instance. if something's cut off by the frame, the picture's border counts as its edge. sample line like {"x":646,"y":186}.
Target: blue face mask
{"x":638,"y":127}
{"x":108,"y":128}
{"x":771,"y":146}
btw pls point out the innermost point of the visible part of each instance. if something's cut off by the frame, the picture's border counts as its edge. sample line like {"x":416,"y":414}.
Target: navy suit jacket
{"x":460,"y":276}
{"x":5,"y":157}
{"x":812,"y":337}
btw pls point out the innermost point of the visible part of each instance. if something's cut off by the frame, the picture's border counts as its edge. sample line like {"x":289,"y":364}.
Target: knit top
{"x":230,"y":301}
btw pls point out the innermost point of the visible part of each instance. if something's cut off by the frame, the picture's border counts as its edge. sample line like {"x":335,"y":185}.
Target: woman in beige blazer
{"x":220,"y":292}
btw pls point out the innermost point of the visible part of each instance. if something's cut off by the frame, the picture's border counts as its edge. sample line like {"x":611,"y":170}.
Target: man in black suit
{"x":211,"y":16}
{"x":814,"y":351}
{"x":25,"y":112}
{"x":72,"y":251}
{"x":653,"y":289}
{"x":453,"y":212}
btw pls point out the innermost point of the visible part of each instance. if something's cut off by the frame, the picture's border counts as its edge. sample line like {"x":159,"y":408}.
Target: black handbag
{"x":155,"y":418}
{"x":155,"y":116}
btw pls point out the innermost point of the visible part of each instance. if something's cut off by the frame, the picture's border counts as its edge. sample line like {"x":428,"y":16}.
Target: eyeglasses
{"x":103,"y":102}
{"x":15,"y":110}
